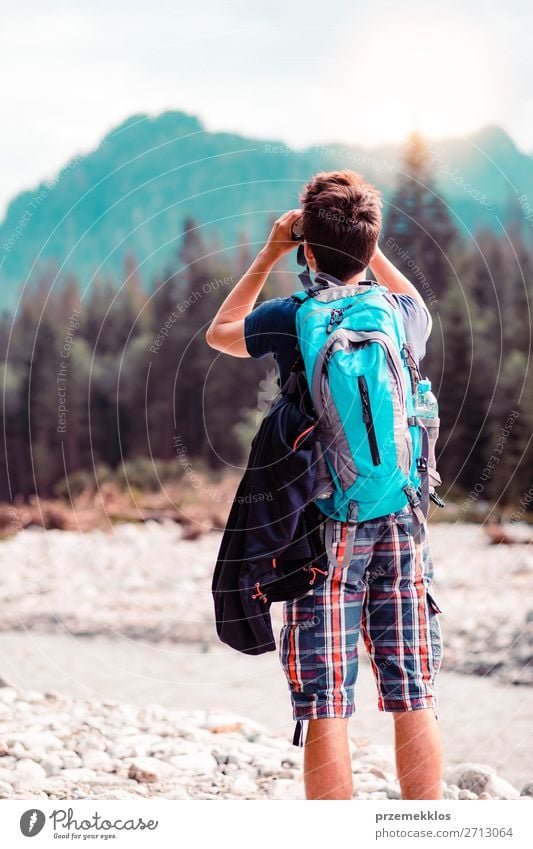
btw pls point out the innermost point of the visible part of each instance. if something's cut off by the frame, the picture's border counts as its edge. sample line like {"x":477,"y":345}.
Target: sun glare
{"x":434,"y":74}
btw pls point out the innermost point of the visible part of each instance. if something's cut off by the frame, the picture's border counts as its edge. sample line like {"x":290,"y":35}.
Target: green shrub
{"x":74,"y":484}
{"x":141,"y":474}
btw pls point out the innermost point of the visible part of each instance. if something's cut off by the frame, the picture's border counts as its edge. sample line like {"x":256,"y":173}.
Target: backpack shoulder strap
{"x":298,"y":367}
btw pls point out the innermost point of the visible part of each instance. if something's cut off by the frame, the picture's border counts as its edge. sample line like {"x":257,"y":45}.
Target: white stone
{"x":29,"y":771}
{"x":238,"y":756}
{"x":6,"y":772}
{"x":149,"y":769}
{"x":450,"y":792}
{"x":393,"y":791}
{"x":52,"y":764}
{"x":36,"y":740}
{"x":136,"y":745}
{"x":96,"y":759}
{"x":78,"y":774}
{"x":242,"y":786}
{"x":369,"y":786}
{"x":33,"y":696}
{"x":267,"y":767}
{"x":176,"y":793}
{"x":501,"y":789}
{"x":200,"y":762}
{"x":8,"y":695}
{"x":282,"y":789}
{"x":469,"y":776}
{"x":70,"y":760}
{"x":16,"y":748}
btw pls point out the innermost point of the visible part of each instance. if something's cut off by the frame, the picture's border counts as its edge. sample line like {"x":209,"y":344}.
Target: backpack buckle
{"x":353,"y":512}
{"x":313,"y":290}
{"x":422,"y":465}
{"x":436,"y":499}
{"x":412,"y":496}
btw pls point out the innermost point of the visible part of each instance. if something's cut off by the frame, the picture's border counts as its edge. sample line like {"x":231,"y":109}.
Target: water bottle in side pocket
{"x":427,"y":410}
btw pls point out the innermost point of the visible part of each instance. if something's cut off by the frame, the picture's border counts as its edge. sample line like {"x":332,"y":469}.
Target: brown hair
{"x":341,"y":221}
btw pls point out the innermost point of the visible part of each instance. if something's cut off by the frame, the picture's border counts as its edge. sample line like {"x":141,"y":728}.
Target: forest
{"x":116,"y":381}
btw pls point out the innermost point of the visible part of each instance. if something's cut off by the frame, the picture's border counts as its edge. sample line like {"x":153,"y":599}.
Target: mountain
{"x":131,"y":195}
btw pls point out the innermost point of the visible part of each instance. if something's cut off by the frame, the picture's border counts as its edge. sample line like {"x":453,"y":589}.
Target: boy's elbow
{"x":429,"y":318}
{"x":210,"y":337}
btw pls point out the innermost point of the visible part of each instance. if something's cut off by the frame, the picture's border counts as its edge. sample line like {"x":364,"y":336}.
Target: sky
{"x":349,"y":71}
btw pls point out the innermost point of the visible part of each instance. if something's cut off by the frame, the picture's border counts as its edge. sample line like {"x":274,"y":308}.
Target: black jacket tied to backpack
{"x":272,"y":548}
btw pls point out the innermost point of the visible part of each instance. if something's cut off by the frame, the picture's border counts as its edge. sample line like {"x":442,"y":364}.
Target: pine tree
{"x":419,"y":235}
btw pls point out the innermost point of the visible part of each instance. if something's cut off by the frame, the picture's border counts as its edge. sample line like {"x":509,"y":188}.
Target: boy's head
{"x":341,"y":222}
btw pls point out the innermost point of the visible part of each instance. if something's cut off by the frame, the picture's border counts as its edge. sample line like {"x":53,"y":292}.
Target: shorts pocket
{"x":435,"y":632}
{"x":298,"y":644}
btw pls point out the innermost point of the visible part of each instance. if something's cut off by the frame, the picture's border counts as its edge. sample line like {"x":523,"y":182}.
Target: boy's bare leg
{"x":327,"y":762}
{"x":418,"y":753}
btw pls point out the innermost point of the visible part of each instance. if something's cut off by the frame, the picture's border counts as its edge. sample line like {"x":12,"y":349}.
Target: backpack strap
{"x":409,"y":360}
{"x":298,"y":737}
{"x":419,"y":520}
{"x":419,"y":499}
{"x":422,"y":468}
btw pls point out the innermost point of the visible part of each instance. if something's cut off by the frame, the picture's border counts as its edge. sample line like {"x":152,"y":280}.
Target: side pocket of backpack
{"x":432,"y":426}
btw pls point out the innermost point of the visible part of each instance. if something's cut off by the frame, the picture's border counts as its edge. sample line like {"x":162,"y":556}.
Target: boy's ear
{"x":310,"y":257}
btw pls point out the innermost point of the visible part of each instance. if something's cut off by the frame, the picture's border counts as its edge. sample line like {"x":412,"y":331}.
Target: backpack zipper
{"x":326,"y":305}
{"x":368,"y":420}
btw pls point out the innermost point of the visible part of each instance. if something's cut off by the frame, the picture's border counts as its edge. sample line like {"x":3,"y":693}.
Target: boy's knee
{"x":327,"y":725}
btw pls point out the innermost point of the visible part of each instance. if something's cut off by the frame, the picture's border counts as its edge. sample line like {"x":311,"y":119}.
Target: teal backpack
{"x":363,"y":381}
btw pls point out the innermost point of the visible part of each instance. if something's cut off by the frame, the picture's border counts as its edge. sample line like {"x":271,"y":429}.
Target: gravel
{"x":55,"y":748}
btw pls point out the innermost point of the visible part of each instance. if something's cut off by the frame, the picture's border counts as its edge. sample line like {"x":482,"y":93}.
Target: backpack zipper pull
{"x":335,"y":318}
{"x":259,"y":594}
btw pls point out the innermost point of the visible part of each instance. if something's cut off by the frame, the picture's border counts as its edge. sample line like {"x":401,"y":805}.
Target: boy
{"x":391,"y":604}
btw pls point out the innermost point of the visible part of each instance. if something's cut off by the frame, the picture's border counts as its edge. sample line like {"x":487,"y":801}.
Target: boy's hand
{"x":280,"y":241}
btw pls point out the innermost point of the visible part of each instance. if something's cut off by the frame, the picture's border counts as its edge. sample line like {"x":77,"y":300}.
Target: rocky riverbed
{"x":52,"y":747}
{"x":147,"y":582}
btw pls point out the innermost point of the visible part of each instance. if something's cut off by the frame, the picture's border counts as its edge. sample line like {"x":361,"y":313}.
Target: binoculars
{"x":297,"y":234}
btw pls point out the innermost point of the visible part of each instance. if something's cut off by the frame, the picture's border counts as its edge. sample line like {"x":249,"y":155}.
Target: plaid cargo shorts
{"x":384,"y":594}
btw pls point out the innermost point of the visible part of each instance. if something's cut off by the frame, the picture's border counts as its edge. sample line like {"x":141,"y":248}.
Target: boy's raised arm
{"x":388,"y":275}
{"x":226,"y":331}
